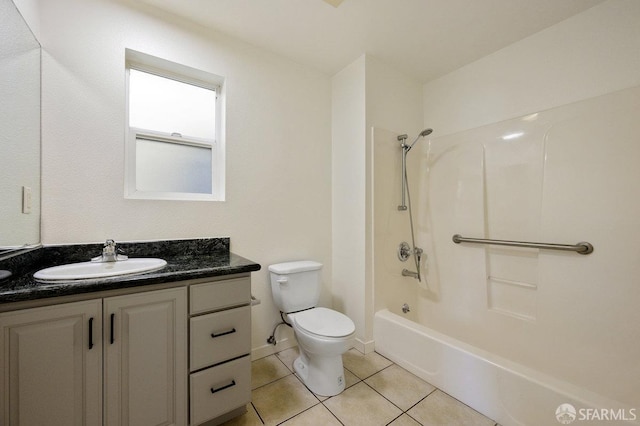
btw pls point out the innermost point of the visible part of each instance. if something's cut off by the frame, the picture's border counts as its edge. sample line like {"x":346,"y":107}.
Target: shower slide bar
{"x":581,"y":248}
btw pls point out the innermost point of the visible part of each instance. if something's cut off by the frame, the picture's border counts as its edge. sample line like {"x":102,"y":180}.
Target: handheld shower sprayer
{"x":405,"y":149}
{"x":403,"y":138}
{"x":417,"y":251}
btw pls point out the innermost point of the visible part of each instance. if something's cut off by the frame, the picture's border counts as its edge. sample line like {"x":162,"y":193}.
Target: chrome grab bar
{"x":582,"y":247}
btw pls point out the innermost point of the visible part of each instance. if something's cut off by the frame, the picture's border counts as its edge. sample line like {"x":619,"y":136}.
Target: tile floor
{"x":378,"y":392}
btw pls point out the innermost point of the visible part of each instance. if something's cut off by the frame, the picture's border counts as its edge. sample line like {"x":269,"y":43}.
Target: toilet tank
{"x":295,"y":285}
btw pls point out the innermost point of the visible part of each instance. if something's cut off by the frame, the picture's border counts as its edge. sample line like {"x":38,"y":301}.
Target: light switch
{"x":26,"y":200}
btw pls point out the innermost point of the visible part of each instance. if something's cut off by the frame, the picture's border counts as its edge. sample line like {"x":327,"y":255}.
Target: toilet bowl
{"x":323,"y":335}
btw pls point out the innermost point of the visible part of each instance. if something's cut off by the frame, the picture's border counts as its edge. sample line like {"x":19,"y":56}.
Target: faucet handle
{"x":120,"y":254}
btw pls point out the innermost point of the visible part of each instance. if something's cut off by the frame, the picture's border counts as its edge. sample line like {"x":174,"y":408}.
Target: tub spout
{"x":408,"y":273}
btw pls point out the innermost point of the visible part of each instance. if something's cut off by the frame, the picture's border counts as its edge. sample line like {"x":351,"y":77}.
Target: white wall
{"x":348,"y":231}
{"x":366,"y":94}
{"x":394,"y":101}
{"x":590,"y":54}
{"x":278,"y":142}
{"x":29,"y":11}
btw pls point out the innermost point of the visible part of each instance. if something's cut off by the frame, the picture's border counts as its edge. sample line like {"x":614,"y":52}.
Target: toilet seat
{"x":324,"y":322}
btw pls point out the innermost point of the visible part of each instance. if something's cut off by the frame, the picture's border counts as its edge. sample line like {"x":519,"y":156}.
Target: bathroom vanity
{"x":170,"y":347}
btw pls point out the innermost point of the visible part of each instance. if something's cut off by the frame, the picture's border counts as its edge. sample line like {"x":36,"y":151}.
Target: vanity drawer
{"x":220,"y":336}
{"x":219,"y":294}
{"x":220,"y":389}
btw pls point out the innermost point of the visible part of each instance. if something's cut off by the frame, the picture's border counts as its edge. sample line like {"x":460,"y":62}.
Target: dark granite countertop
{"x":186,"y":260}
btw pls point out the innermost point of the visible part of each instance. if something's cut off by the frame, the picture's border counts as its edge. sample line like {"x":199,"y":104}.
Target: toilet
{"x":323,"y":334}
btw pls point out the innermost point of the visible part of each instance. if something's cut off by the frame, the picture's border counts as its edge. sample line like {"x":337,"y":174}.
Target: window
{"x":174,"y":146}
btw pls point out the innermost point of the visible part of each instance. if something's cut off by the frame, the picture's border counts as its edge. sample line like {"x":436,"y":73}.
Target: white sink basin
{"x":93,"y":270}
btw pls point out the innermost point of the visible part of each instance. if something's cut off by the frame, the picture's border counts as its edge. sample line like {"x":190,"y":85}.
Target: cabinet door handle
{"x":233,"y":383}
{"x":214,"y":335}
{"x":91,"y":333}
{"x":111,"y":336}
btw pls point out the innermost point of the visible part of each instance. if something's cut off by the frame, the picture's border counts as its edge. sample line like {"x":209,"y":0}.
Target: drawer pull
{"x":213,"y":335}
{"x":233,"y":383}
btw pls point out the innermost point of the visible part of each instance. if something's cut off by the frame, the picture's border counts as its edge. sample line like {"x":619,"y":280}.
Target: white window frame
{"x":160,"y":67}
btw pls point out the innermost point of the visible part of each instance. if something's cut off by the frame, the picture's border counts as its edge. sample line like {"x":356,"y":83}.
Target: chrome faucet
{"x":109,"y":253}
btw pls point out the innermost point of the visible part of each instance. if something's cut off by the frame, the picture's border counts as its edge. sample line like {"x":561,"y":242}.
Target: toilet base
{"x":324,"y":376}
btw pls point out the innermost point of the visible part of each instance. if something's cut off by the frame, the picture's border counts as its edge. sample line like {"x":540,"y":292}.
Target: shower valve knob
{"x":404,"y":251}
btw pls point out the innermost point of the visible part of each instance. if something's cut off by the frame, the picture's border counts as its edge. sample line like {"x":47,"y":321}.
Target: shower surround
{"x":516,"y":332}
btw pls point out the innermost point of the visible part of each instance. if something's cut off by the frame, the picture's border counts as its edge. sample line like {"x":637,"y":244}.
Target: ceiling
{"x":424,"y":38}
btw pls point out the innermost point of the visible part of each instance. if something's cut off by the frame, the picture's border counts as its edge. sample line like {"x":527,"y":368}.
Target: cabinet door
{"x":51,"y":365}
{"x":145,"y":358}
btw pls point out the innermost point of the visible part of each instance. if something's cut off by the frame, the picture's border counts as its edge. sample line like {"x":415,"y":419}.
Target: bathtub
{"x":502,"y":390}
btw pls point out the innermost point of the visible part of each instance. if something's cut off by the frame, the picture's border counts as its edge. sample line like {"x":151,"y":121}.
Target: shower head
{"x":422,"y":134}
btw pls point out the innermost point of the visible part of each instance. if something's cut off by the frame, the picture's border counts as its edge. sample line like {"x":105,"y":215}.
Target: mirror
{"x":19,"y":132}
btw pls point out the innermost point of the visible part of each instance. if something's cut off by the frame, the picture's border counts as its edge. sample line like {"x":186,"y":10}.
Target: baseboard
{"x":266,"y":350}
{"x":364,"y":347}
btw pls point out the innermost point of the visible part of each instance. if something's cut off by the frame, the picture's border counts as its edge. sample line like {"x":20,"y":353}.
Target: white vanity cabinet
{"x":220,"y":344}
{"x":56,"y":360}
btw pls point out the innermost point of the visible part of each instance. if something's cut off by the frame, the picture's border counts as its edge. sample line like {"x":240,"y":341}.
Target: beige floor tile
{"x":441,"y":409}
{"x":399,"y":386}
{"x":350,"y":379}
{"x":288,"y":356}
{"x":250,"y":418}
{"x":266,"y":370}
{"x":282,"y":399}
{"x":361,"y":405}
{"x":404,"y":420}
{"x":314,"y":416}
{"x":362,"y":365}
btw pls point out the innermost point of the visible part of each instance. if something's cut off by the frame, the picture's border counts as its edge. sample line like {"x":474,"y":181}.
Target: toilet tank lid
{"x":293,"y":267}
